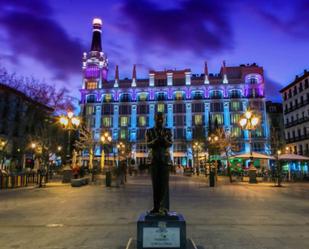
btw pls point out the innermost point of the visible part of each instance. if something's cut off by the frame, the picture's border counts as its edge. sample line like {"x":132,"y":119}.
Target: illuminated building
{"x":296,"y":114}
{"x":126,"y":107}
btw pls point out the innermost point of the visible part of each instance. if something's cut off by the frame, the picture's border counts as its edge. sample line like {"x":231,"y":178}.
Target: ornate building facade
{"x":191,"y":103}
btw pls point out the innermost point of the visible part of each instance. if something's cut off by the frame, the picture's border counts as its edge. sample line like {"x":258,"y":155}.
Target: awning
{"x":254,"y":155}
{"x":293,"y":157}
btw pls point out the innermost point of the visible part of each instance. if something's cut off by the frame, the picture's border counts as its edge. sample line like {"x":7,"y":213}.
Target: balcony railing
{"x":296,"y":122}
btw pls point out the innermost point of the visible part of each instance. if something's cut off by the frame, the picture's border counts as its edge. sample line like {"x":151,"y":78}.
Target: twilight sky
{"x":46,"y":38}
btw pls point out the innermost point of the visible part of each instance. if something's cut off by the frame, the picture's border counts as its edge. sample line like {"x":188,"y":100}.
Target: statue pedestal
{"x":161,"y":232}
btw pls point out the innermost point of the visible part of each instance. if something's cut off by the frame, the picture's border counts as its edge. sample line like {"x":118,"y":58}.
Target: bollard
{"x":108,"y":178}
{"x":212,"y":179}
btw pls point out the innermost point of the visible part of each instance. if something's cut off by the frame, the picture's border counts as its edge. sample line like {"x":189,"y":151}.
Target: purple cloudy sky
{"x":46,"y":38}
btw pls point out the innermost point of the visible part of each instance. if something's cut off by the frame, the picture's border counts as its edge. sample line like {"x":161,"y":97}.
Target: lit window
{"x":123,"y":134}
{"x":107,"y":97}
{"x":198,"y":119}
{"x":235,"y":117}
{"x":123,"y":121}
{"x":179,"y":95}
{"x":107,"y":121}
{"x":235,"y":106}
{"x":142,"y":121}
{"x":91,"y":85}
{"x":142,"y":96}
{"x":218,"y":117}
{"x":160,"y":108}
{"x":236,"y":132}
{"x":89,"y":110}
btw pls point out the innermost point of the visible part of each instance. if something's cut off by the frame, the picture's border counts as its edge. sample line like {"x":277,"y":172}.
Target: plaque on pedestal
{"x":155,"y":231}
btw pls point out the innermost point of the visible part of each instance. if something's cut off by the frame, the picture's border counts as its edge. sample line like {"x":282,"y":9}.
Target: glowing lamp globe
{"x":243,"y":122}
{"x":254,"y":121}
{"x":248,"y":114}
{"x":97,"y":22}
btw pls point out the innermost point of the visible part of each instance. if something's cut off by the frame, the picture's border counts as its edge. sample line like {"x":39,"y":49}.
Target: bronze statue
{"x":159,"y":140}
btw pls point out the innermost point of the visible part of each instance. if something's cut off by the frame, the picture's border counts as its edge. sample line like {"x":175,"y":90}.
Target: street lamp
{"x":105,"y":139}
{"x":249,"y":122}
{"x":3,"y":143}
{"x":69,"y":123}
{"x":121,"y":147}
{"x":197,"y":147}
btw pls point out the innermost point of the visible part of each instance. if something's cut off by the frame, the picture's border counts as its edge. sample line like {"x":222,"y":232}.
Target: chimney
{"x":206,"y":80}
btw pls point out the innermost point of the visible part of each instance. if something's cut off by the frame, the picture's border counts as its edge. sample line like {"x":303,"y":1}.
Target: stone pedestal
{"x":252,"y":175}
{"x":161,"y":232}
{"x":67,"y":174}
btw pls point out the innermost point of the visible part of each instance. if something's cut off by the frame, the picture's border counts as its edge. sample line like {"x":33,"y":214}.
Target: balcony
{"x":295,"y":107}
{"x":296,"y":122}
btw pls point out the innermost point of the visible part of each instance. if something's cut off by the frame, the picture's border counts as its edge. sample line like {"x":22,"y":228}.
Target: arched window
{"x":107,"y":98}
{"x":125,"y":97}
{"x":235,"y":94}
{"x":216,"y":94}
{"x":161,"y":96}
{"x":91,"y":98}
{"x":179,"y":95}
{"x":143,"y":96}
{"x":197,"y":95}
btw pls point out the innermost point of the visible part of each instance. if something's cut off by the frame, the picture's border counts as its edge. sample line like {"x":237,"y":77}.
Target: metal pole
{"x":69,"y":147}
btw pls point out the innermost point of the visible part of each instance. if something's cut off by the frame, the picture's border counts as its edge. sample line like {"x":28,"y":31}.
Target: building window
{"x":179,"y":108}
{"x":216,"y":94}
{"x":179,"y":95}
{"x":160,"y":107}
{"x":216,"y":107}
{"x":89,"y":110}
{"x":91,"y":98}
{"x":143,"y":97}
{"x":198,"y":119}
{"x":161,"y":96}
{"x":306,"y":83}
{"x":218,"y":117}
{"x":107,"y":98}
{"x":107,"y":121}
{"x":142,"y":109}
{"x":179,"y":120}
{"x":124,"y":121}
{"x":198,"y":95}
{"x":235,"y":93}
{"x":235,"y":117}
{"x":142,"y":121}
{"x":235,"y":106}
{"x":91,"y":85}
{"x":125,"y":97}
{"x":253,"y":80}
{"x":236,"y":131}
{"x":198,"y":107}
{"x":123,"y":134}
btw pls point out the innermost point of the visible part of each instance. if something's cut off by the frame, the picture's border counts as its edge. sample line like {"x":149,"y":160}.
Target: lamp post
{"x":197,"y":147}
{"x":121,"y":147}
{"x":212,"y":139}
{"x":69,"y":123}
{"x":249,"y":122}
{"x":105,"y":139}
{"x":3,"y":144}
{"x":278,"y":167}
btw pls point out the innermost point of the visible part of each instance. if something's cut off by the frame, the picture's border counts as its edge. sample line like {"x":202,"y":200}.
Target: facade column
{"x":115,"y":122}
{"x":188,"y":122}
{"x":170,"y":120}
{"x":227,"y":118}
{"x":133,"y":124}
{"x":151,"y":115}
{"x":206,"y":117}
{"x":246,"y":132}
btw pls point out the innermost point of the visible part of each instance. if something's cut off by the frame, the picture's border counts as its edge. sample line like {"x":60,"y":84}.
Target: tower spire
{"x":225,"y":80}
{"x":134,"y":76}
{"x":96,"y":44}
{"x":206,"y":80}
{"x":116,"y":76}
